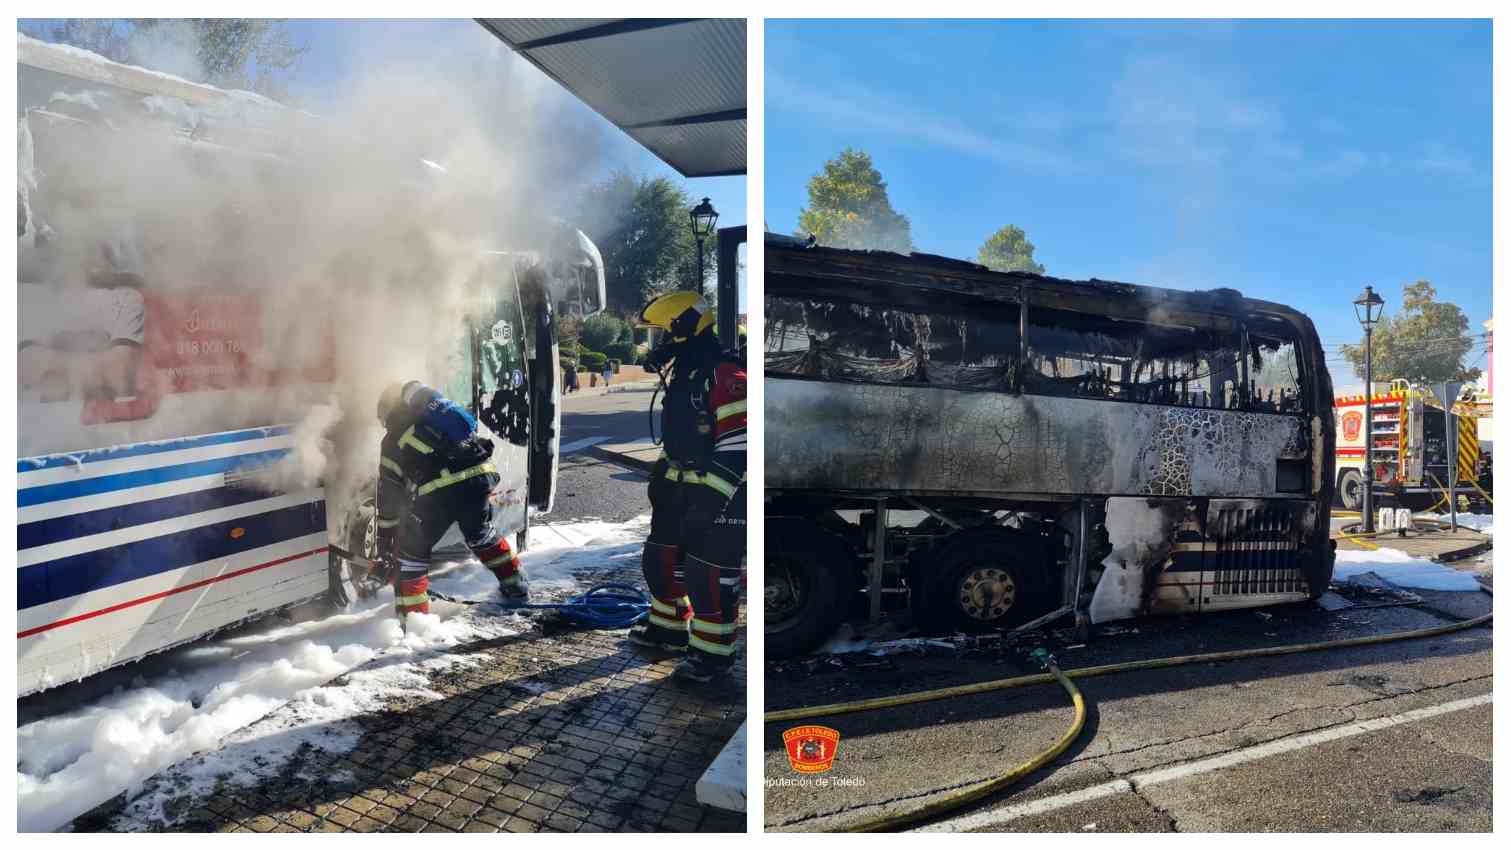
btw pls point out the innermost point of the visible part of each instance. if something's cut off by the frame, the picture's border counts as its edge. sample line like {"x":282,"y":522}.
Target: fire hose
{"x":964,"y":796}
{"x":605,"y":606}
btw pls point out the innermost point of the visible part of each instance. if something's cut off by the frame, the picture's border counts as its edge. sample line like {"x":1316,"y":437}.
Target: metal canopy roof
{"x":675,"y":85}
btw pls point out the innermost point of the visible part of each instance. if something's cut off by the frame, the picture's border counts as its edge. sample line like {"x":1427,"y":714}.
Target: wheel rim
{"x":1351,"y":487}
{"x":986,"y":593}
{"x":784,"y":592}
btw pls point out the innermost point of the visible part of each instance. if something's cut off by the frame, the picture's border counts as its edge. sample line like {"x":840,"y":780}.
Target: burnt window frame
{"x":909,"y":299}
{"x":1131,"y":308}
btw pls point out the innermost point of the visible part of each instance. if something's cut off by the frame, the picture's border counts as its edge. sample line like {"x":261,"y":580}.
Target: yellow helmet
{"x":682,"y":314}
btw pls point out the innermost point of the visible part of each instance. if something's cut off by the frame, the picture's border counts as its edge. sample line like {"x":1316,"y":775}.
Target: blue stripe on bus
{"x":50,"y":581}
{"x":141,"y":478}
{"x":52,"y":461}
{"x":57,"y":529}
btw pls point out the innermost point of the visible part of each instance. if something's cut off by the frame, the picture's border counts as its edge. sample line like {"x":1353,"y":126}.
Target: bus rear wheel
{"x":805,"y":570}
{"x":991,"y":582}
{"x":1351,"y":489}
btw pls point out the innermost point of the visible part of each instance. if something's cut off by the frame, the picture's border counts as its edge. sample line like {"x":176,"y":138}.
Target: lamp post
{"x":1367,"y":309}
{"x":703,"y":218}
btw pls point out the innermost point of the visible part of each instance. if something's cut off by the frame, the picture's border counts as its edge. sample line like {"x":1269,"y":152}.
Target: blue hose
{"x":607,"y":606}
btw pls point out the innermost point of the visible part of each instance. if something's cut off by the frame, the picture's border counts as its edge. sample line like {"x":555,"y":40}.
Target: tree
{"x":601,"y":331}
{"x":240,"y":53}
{"x":848,"y":207}
{"x":1008,"y":250}
{"x":1425,"y":342}
{"x":641,"y":228}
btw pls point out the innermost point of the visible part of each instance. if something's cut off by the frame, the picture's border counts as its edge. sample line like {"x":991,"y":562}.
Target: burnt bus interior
{"x":955,"y":560}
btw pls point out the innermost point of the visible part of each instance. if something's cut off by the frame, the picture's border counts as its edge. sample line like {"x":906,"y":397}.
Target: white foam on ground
{"x":1402,"y":570}
{"x":200,"y":698}
{"x":1482,"y":523}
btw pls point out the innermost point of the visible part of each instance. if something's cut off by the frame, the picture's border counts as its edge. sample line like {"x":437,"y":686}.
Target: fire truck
{"x":1408,"y":451}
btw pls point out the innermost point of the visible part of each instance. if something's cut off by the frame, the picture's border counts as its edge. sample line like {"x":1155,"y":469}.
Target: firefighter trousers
{"x":694,"y":557}
{"x":465,"y":503}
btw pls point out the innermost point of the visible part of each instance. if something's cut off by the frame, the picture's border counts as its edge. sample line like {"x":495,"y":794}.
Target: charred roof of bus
{"x":789,"y":257}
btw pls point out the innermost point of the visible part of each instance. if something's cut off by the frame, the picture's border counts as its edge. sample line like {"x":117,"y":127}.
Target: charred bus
{"x":999,"y":450}
{"x":196,"y":440}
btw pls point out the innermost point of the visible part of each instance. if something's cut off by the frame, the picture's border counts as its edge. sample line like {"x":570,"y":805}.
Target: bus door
{"x":545,"y":393}
{"x":504,"y":402}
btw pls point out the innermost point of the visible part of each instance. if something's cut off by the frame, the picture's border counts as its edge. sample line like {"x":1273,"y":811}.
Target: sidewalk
{"x":625,"y":381}
{"x":554,"y":729}
{"x":1428,"y":540}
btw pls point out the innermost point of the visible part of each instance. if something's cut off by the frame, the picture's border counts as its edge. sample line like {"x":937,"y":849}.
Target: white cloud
{"x":853,"y":107}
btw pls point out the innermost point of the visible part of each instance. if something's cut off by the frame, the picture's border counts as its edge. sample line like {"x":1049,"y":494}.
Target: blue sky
{"x":1294,"y":161}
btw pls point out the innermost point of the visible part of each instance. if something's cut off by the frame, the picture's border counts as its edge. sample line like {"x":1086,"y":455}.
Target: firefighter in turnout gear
{"x":693,"y":558}
{"x":436,"y":470}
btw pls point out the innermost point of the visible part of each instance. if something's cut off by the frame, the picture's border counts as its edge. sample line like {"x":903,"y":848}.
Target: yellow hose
{"x":961,"y":797}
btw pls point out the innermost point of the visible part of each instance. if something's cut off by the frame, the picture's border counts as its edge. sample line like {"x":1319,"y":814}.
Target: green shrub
{"x":593,"y":361}
{"x":601,"y":331}
{"x":624,"y":352}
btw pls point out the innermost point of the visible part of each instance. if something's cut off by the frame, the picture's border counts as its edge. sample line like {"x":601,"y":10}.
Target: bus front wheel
{"x":804,"y":576}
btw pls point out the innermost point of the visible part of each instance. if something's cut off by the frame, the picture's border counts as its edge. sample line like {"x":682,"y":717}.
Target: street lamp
{"x":703,"y":217}
{"x":1367,"y":308}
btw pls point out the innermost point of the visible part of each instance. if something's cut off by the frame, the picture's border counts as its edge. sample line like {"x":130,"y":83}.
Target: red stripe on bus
{"x":167,"y":593}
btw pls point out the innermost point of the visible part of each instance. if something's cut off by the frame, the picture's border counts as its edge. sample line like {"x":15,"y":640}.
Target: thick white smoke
{"x":358,"y":252}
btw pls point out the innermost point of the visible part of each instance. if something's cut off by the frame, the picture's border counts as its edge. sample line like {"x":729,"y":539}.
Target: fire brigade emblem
{"x":811,"y":749}
{"x":1353,"y":421}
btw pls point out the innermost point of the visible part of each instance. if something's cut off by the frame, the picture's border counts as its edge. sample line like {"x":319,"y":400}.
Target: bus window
{"x":1161,"y":362}
{"x":1274,"y":375}
{"x":458,"y":368}
{"x":838,"y":339}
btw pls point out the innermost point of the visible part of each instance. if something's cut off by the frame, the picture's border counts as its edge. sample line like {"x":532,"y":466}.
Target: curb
{"x":621,"y":459}
{"x":1466,"y":552}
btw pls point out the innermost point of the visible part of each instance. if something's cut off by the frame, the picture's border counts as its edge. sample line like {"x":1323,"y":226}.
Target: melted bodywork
{"x":843,"y":436}
{"x":918,"y":378}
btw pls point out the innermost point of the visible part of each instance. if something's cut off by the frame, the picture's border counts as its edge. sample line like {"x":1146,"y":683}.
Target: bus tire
{"x":347,"y":583}
{"x":1351,"y":489}
{"x":984,"y":582}
{"x":807,"y":573}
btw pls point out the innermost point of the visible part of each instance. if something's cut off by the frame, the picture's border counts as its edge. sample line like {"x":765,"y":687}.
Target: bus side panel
{"x":129,"y":550}
{"x":1173,"y":556}
{"x":851,"y":436}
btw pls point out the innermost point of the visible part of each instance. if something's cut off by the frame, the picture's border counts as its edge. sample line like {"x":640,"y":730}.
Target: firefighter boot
{"x":666,"y":627}
{"x":702,"y":667}
{"x":504,"y":564}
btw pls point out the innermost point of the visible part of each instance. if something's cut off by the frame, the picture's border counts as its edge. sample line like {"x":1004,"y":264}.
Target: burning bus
{"x":202,"y":337}
{"x":998,"y":450}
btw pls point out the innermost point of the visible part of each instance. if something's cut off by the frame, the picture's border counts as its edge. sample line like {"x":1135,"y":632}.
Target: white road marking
{"x":579,"y":445}
{"x":997,"y":817}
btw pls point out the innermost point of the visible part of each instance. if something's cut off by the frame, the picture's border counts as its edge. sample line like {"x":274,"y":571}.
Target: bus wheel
{"x":993,"y":583}
{"x":1351,"y":489}
{"x":805,"y":570}
{"x":348,"y":581}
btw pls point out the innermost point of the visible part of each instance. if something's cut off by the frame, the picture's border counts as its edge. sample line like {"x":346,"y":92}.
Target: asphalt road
{"x":587,"y":487}
{"x":1294,"y":755}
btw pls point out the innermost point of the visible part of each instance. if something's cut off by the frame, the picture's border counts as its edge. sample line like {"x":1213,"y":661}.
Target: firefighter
{"x":693,"y":558}
{"x":435,"y":470}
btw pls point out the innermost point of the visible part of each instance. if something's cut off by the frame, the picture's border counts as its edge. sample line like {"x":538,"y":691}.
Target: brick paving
{"x":559,"y":729}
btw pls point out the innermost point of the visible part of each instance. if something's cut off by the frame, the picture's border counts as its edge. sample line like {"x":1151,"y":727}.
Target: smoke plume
{"x":360,"y":231}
